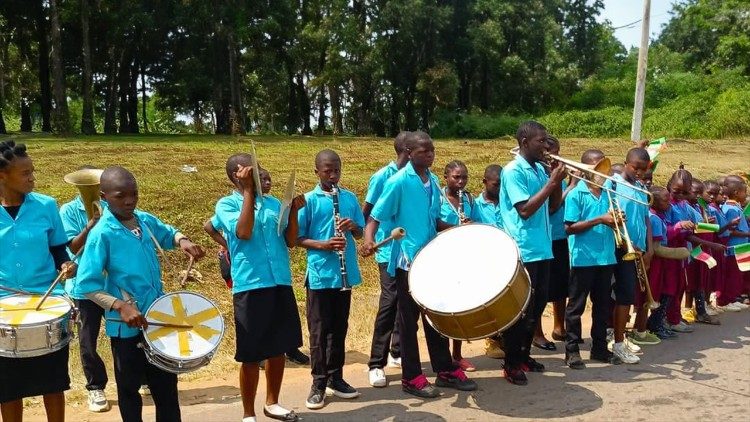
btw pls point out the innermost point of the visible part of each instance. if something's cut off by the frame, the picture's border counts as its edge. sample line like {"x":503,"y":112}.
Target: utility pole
{"x":640,"y":82}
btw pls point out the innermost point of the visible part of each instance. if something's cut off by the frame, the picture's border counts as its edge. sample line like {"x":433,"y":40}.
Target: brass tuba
{"x":87,"y":182}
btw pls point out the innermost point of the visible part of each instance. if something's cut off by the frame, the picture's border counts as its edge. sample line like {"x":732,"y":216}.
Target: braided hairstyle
{"x":9,"y":150}
{"x":681,"y":175}
{"x":454,"y":165}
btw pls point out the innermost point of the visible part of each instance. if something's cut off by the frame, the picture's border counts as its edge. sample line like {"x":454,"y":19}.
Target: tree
{"x":60,"y":121}
{"x":87,"y":115}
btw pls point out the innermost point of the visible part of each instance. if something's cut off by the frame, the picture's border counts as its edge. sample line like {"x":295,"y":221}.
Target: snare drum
{"x":180,"y":350}
{"x":26,"y":332}
{"x":469,"y":282}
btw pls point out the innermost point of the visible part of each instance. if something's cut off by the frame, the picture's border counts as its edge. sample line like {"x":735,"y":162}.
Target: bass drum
{"x":469,"y":282}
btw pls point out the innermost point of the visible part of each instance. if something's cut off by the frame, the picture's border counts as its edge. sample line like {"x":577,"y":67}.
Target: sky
{"x":623,"y":12}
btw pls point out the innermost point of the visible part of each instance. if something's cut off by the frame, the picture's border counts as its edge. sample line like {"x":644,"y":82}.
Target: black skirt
{"x":267,"y":323}
{"x":29,"y":377}
{"x":559,"y":271}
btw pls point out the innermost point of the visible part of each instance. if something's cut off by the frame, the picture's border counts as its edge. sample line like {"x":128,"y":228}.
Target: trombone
{"x":594,"y":174}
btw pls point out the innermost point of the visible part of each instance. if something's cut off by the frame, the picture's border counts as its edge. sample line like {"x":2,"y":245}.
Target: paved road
{"x":700,"y":376}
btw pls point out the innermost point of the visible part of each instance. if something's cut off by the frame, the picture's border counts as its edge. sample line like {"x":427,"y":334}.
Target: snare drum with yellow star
{"x":190,"y":328}
{"x":27,"y":332}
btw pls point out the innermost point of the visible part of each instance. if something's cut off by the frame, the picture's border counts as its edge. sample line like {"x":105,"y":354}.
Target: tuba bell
{"x":87,"y":182}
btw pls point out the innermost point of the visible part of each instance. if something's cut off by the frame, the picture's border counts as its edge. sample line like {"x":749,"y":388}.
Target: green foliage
{"x":730,"y":116}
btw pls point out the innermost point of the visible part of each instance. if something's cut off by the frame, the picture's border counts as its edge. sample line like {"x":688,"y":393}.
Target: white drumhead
{"x":21,"y":309}
{"x":463,"y":268}
{"x":184,"y":308}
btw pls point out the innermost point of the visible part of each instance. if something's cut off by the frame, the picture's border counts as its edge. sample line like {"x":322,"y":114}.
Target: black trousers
{"x":327,"y":322}
{"x":437,"y":345}
{"x":386,"y":330}
{"x":90,"y":315}
{"x":517,"y":339}
{"x":130,"y":368}
{"x":585,"y":281}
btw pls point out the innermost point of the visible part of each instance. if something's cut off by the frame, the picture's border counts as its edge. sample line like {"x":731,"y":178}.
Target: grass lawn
{"x":186,"y":200}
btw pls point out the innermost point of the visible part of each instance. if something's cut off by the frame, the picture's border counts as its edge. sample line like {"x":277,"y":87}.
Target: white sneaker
{"x":377,"y":378}
{"x":394,"y":362}
{"x":741,"y":305}
{"x":632,"y":347}
{"x":144,"y":390}
{"x":682,"y":328}
{"x":98,"y":401}
{"x":711,"y":311}
{"x":731,"y":308}
{"x":621,"y":351}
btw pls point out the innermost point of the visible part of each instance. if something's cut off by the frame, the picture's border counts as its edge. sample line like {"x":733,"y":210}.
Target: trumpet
{"x":622,"y":237}
{"x":87,"y":182}
{"x":596,"y":174}
{"x":640,"y":268}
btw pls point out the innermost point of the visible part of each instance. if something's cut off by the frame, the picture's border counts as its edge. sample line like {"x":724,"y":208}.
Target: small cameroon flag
{"x":697,"y":253}
{"x":742,"y":255}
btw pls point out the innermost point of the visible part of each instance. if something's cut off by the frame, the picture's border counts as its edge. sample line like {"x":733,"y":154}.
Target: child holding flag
{"x":736,"y":269}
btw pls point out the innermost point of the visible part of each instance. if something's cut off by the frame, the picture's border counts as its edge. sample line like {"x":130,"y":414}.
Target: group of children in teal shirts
{"x":119,"y":275}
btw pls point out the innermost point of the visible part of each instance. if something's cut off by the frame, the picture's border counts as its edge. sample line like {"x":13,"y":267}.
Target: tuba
{"x":87,"y":182}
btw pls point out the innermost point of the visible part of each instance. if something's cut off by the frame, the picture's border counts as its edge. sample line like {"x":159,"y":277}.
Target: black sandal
{"x":545,"y":346}
{"x":289,"y":417}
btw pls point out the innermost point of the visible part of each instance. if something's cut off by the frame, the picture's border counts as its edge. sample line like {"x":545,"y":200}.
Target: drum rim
{"x":63,"y":317}
{"x":409,"y":273}
{"x":210,"y":353}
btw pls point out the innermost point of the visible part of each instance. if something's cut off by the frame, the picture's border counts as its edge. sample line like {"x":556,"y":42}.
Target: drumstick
{"x":183,"y":282}
{"x":16,"y":291}
{"x":155,"y":324}
{"x":49,"y":290}
{"x":396,"y":234}
{"x":56,"y":281}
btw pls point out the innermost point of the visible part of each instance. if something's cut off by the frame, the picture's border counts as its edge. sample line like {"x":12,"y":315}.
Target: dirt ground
{"x":700,"y":376}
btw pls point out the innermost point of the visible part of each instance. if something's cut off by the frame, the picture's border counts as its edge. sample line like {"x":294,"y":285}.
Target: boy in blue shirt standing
{"x":385,"y":333}
{"x":592,"y":258}
{"x":527,"y":194}
{"x":327,"y":303}
{"x":638,"y":225}
{"x":122,"y":246}
{"x":77,"y":227}
{"x":265,"y":310}
{"x":486,"y":209}
{"x":411,"y":200}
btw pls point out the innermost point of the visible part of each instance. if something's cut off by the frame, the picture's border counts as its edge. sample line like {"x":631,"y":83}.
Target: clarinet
{"x":338,"y":233}
{"x":461,"y":216}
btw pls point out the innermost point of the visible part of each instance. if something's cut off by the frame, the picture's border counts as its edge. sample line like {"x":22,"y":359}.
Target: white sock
{"x":248,"y":419}
{"x":640,"y":334}
{"x":276,"y":410}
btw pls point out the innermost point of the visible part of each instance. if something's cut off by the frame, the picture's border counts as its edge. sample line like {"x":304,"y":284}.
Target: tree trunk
{"x":133,"y":98}
{"x":87,"y":114}
{"x":304,"y":105}
{"x":25,"y":116}
{"x":44,"y":84}
{"x":198,"y":118}
{"x":3,"y":60}
{"x":60,"y":121}
{"x":123,"y":81}
{"x":237,"y":114}
{"x":336,"y":118}
{"x":484,"y":87}
{"x":143,"y":97}
{"x":292,"y":118}
{"x":321,"y":97}
{"x":393,"y":124}
{"x":110,"y":98}
{"x":411,"y":121}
